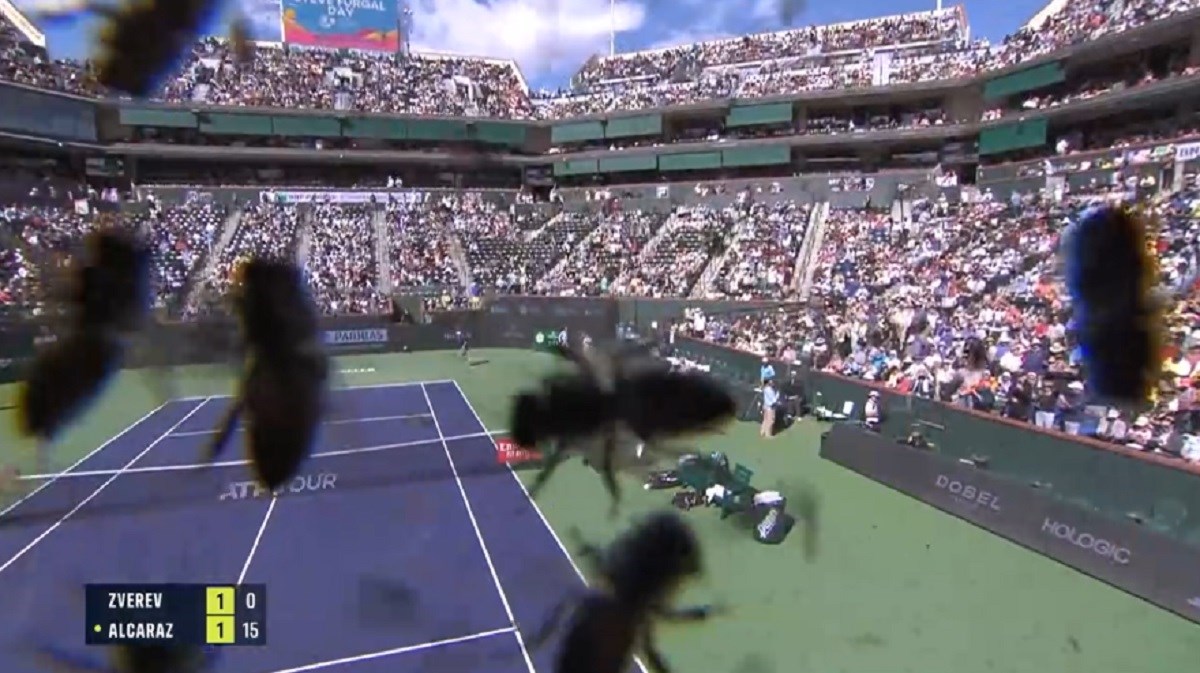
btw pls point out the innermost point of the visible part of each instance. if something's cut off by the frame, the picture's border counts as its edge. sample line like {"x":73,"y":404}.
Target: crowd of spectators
{"x":921,"y":47}
{"x":423,"y":244}
{"x":761,"y":258}
{"x":342,"y":260}
{"x":690,"y":241}
{"x":263,"y":230}
{"x":962,"y":303}
{"x":613,"y":247}
{"x":182,"y":236}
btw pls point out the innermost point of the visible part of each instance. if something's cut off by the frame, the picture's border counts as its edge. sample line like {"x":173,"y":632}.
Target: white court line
{"x":257,"y":539}
{"x":98,"y":449}
{"x":340,"y":421}
{"x":99,"y":489}
{"x":233,"y":463}
{"x":407,"y":384}
{"x":399,"y":650}
{"x":545,"y":522}
{"x":487,"y":556}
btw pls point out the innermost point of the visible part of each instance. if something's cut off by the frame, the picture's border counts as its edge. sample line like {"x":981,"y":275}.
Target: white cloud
{"x":542,"y":36}
{"x":263,"y":16}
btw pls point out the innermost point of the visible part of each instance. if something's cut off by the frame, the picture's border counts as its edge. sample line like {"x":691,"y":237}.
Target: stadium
{"x":867,"y":209}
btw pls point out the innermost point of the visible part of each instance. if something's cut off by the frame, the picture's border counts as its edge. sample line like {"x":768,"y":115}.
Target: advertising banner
{"x":356,"y":337}
{"x":1187,"y":152}
{"x":1131,"y":557}
{"x":368,"y":25}
{"x":508,"y":453}
{"x":342,"y":198}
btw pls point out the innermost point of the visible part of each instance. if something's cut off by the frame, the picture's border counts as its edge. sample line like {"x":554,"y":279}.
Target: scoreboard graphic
{"x":192,"y":614}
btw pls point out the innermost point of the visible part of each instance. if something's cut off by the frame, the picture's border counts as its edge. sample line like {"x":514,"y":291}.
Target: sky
{"x":550,"y":39}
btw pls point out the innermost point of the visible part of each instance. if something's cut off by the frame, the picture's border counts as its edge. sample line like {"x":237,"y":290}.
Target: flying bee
{"x":638,"y":575}
{"x":606,"y":399}
{"x":1111,"y":272}
{"x":137,"y":659}
{"x":107,"y":301}
{"x":140,"y":41}
{"x":285,"y":375}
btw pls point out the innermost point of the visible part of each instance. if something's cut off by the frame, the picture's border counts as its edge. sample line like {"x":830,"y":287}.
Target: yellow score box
{"x":220,"y":601}
{"x":219,"y":631}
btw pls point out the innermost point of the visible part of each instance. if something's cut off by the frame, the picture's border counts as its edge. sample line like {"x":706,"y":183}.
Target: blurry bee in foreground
{"x":638,"y":574}
{"x":108,"y":300}
{"x":1111,"y":272}
{"x":285,"y":374}
{"x":138,"y":659}
{"x":140,"y":41}
{"x":608,"y":397}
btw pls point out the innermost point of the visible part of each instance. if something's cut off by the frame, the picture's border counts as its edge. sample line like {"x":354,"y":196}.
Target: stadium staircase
{"x":209,"y":268}
{"x":383,"y":243}
{"x":459,"y":257}
{"x":806,"y":261}
{"x":663,"y":233}
{"x":534,"y":234}
{"x":717,"y":263}
{"x":562,"y":261}
{"x":304,"y":236}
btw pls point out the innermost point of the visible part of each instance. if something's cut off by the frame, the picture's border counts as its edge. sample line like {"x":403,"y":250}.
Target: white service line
{"x":233,"y":463}
{"x":545,"y":522}
{"x":487,"y":556}
{"x":99,"y":489}
{"x":257,"y":538}
{"x":53,"y":478}
{"x":340,"y":421}
{"x":399,"y":650}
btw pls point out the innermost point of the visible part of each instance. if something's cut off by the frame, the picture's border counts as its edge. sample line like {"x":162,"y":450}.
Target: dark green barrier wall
{"x":755,"y":115}
{"x":770,"y":155}
{"x":577,"y":132}
{"x":1100,"y":477}
{"x":26,"y":111}
{"x":1023,"y":81}
{"x":1016,"y":136}
{"x":628,"y":127}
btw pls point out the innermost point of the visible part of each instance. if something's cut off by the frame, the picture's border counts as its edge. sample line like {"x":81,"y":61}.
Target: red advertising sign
{"x":508,"y":453}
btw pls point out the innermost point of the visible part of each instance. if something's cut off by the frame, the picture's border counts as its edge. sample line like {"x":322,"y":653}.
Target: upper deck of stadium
{"x":885,"y":51}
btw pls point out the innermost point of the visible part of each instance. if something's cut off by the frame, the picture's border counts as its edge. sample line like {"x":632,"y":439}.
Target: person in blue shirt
{"x":770,"y":404}
{"x":767,"y":372}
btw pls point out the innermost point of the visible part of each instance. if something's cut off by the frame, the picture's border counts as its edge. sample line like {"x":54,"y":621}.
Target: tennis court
{"x":896,"y":585}
{"x":460,"y":540}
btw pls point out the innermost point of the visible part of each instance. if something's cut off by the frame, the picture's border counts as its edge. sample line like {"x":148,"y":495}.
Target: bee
{"x":107,"y":301}
{"x":286,"y":372}
{"x":639,"y":574}
{"x":141,"y":41}
{"x":606,"y":399}
{"x":1110,"y":272}
{"x":138,"y":659}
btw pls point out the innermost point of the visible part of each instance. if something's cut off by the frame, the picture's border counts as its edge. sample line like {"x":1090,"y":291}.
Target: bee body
{"x":1110,"y":275}
{"x":637,"y":577}
{"x":108,"y":301}
{"x":284,"y":380}
{"x":607,"y":398}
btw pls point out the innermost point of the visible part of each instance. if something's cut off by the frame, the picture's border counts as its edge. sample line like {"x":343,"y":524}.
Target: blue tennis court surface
{"x":402,"y":495}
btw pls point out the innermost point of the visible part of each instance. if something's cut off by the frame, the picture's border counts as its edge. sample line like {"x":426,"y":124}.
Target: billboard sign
{"x":368,"y":25}
{"x":356,"y":337}
{"x":1153,"y":566}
